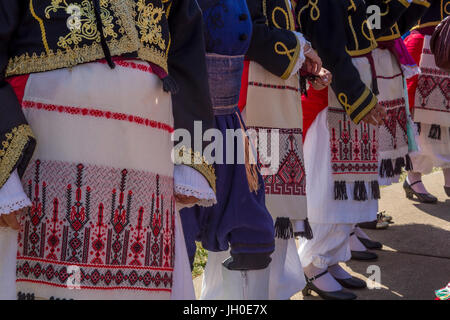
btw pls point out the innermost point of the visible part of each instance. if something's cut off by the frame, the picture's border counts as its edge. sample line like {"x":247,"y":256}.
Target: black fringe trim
{"x":435,"y":132}
{"x":170,"y":85}
{"x":284,"y":229}
{"x":375,"y":187}
{"x":386,"y":168}
{"x":408,"y":164}
{"x":340,"y":190}
{"x":360,"y":191}
{"x":399,"y":164}
{"x":307,"y":234}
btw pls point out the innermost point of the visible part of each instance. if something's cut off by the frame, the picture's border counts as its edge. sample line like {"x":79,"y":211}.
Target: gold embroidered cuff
{"x":197,"y":162}
{"x":361,"y":107}
{"x":366,"y":109}
{"x":293,"y":60}
{"x":12,"y":149}
{"x":360,"y":52}
{"x":395,"y":34}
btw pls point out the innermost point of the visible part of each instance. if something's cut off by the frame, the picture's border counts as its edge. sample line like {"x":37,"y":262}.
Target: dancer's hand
{"x":376,"y":116}
{"x":323,"y":80}
{"x":186,"y":200}
{"x":10,"y":220}
{"x":313,"y":63}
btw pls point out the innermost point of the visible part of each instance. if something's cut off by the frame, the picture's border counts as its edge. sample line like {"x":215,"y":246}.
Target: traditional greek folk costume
{"x":86,"y":76}
{"x":429,"y":94}
{"x":341,"y":152}
{"x":390,"y":72}
{"x":271,"y":99}
{"x":240,"y":220}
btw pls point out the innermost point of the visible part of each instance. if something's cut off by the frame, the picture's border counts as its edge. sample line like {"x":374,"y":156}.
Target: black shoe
{"x":447,"y":191}
{"x":352,"y":283}
{"x":326,"y":295}
{"x":364,"y":255}
{"x":370,"y":244}
{"x":422,"y":197}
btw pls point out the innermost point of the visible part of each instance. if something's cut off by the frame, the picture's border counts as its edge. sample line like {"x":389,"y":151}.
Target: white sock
{"x":338,"y":272}
{"x":355,"y":244}
{"x":414,"y":177}
{"x":326,"y":282}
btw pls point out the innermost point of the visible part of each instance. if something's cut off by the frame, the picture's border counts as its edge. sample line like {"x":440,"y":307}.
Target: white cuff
{"x":189,"y":182}
{"x":12,"y":196}
{"x":301,"y":55}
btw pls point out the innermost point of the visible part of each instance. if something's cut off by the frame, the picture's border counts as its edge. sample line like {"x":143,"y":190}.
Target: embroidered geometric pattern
{"x":115,"y":225}
{"x":393,"y":134}
{"x":354,"y":148}
{"x":129,"y":26}
{"x":90,"y":112}
{"x":433,"y":86}
{"x":290,"y":178}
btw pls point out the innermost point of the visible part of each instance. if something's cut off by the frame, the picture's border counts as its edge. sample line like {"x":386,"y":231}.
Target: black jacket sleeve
{"x":391,"y":10}
{"x":412,"y":15}
{"x":274,"y":45}
{"x":327,"y":35}
{"x":187,"y":66}
{"x":17,"y":142}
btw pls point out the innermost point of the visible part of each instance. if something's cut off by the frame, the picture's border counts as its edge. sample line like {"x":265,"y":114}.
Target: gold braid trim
{"x":292,"y":57}
{"x":198,"y":162}
{"x":422,"y":2}
{"x":12,"y":150}
{"x":350,"y":108}
{"x":129,"y":41}
{"x":366,"y":110}
{"x":41,"y":25}
{"x":26,"y":64}
{"x":395,"y":34}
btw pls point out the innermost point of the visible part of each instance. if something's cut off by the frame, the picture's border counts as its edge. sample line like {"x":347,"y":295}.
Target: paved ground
{"x":415,"y":259}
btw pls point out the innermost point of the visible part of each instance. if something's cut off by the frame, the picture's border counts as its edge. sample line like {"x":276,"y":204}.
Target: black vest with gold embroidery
{"x":274,"y":44}
{"x":338,"y":30}
{"x":360,"y":38}
{"x":406,"y":17}
{"x":437,"y":12}
{"x":44,"y":35}
{"x":62,"y":33}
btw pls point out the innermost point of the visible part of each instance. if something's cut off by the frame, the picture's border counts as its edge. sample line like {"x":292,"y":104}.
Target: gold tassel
{"x":251,"y":170}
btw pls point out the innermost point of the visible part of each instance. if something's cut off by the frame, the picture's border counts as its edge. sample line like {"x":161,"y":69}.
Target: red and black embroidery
{"x":354,"y":156}
{"x":290,"y":179}
{"x":115,"y":225}
{"x":394,"y":139}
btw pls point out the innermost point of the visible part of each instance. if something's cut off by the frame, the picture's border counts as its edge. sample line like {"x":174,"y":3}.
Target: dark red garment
{"x":18,"y":84}
{"x":414,"y":44}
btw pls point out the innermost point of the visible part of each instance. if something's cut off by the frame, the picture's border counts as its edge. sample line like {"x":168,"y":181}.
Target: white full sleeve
{"x":12,"y":195}
{"x":189,"y":182}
